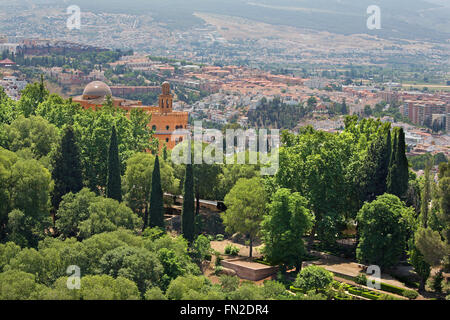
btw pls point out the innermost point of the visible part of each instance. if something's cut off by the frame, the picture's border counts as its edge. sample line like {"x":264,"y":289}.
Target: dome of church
{"x":96,"y":89}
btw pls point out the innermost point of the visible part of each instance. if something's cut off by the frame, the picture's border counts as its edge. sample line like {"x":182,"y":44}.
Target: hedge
{"x":369,"y":295}
{"x":294,"y":289}
{"x":391,"y":288}
{"x":347,"y":297}
{"x":410,"y":294}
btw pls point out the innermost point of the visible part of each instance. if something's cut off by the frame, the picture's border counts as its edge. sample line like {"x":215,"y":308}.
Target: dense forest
{"x":78,"y":191}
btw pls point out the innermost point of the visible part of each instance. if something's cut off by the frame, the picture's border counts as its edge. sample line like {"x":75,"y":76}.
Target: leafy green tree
{"x":274,"y":290}
{"x":113,"y":183}
{"x":66,"y":172}
{"x":29,"y":187}
{"x":431,"y":246}
{"x":155,"y":293}
{"x":313,"y":278}
{"x":141,"y":137}
{"x":7,"y":108}
{"x":383,"y":225}
{"x":231,"y":174}
{"x":17,"y":228}
{"x":443,"y":200}
{"x":8,"y":251}
{"x":108,"y":215}
{"x":32,"y":96}
{"x":247,"y":291}
{"x":104,"y":287}
{"x":398,"y":177}
{"x":417,"y":260}
{"x":137,"y":182}
{"x":435,"y":282}
{"x":137,"y":264}
{"x":375,"y":166}
{"x":187,"y":216}
{"x":156,"y":215}
{"x":245,"y":209}
{"x":33,"y":133}
{"x":93,"y":129}
{"x":7,"y":160}
{"x":201,"y":249}
{"x":58,"y":111}
{"x":426,"y":196}
{"x":182,"y":287}
{"x":205,"y":176}
{"x":314,"y":163}
{"x":18,"y":285}
{"x":97,"y":245}
{"x":286,"y":222}
{"x":173,"y":266}
{"x":73,"y":209}
{"x":229,"y":283}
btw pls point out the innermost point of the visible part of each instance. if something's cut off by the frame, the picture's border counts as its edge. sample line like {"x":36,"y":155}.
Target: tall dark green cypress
{"x":385,"y":159}
{"x":113,"y":183}
{"x":66,"y":172}
{"x":188,"y":214}
{"x":375,"y":167}
{"x":394,"y":148}
{"x":156,"y":199}
{"x":398,"y":177}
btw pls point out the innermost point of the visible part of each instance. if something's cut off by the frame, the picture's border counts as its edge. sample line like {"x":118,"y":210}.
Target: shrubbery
{"x":313,"y":278}
{"x":232,"y":250}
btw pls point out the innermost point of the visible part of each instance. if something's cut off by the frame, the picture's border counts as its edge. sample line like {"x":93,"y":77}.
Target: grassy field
{"x":431,"y":87}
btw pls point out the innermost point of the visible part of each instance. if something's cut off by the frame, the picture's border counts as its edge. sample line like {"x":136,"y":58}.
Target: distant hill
{"x":409,"y":19}
{"x":405,"y":19}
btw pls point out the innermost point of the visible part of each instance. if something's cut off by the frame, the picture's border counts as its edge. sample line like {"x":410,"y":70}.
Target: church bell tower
{"x":165,"y":99}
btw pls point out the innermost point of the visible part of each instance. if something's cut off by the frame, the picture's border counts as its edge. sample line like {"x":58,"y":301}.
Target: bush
{"x":410,"y":294}
{"x":346,"y":297}
{"x":314,"y":278}
{"x":435,"y":282}
{"x":369,"y":295}
{"x":232,"y":250}
{"x":391,"y":288}
{"x":361,"y":279}
{"x":296,"y":290}
{"x":385,"y":296}
{"x":218,"y":259}
{"x":217,"y":270}
{"x":220,"y":237}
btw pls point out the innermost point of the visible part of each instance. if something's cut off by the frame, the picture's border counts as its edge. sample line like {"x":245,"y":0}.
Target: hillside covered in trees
{"x":78,"y":189}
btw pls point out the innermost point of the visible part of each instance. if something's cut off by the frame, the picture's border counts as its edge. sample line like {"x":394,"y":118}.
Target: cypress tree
{"x":385,"y":158}
{"x":66,"y":168}
{"x":164,"y":152}
{"x":426,"y":195}
{"x":398,"y":177}
{"x":156,"y":199}
{"x":375,"y":167}
{"x":113,"y":184}
{"x":188,"y":216}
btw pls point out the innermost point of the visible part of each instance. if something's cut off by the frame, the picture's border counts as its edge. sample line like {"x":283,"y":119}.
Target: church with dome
{"x":164,"y":120}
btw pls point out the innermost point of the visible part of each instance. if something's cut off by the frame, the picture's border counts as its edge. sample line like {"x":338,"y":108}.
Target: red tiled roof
{"x":7,"y":61}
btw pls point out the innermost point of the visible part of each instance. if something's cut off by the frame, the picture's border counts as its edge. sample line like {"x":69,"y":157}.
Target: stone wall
{"x":250,"y":270}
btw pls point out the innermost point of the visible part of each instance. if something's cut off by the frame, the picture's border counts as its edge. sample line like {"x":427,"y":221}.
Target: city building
{"x":164,"y":120}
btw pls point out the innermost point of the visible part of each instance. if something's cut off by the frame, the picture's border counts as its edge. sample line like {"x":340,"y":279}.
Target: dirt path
{"x":244,"y":250}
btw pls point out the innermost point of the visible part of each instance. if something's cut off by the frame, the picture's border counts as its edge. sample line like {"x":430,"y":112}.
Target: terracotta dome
{"x":96,"y":89}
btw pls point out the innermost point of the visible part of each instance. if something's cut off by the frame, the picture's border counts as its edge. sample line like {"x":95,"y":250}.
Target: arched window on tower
{"x":154,"y":128}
